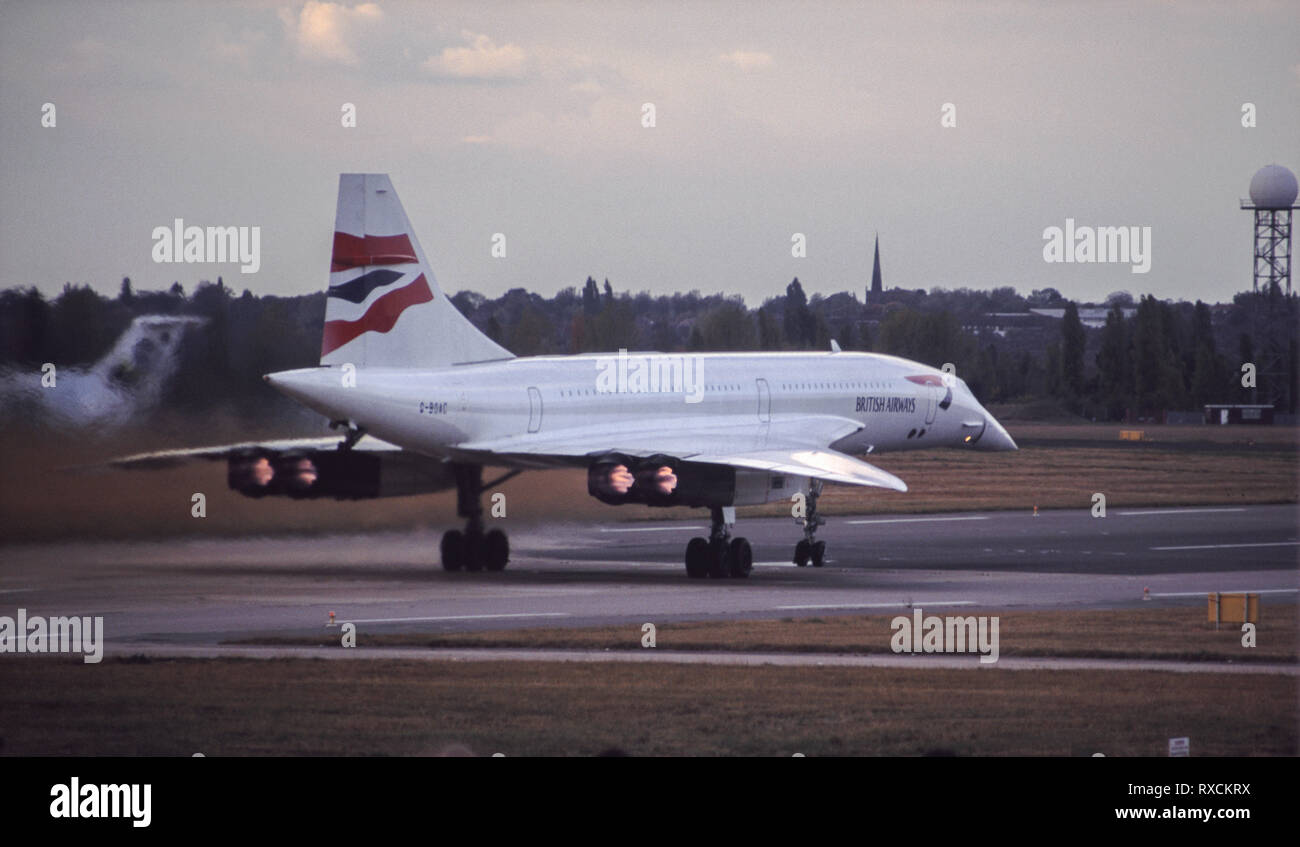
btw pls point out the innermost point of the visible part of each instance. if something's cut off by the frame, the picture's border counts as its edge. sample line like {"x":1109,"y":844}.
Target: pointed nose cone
{"x":995,"y":436}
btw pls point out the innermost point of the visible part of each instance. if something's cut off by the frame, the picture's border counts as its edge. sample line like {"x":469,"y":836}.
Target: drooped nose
{"x":995,"y":436}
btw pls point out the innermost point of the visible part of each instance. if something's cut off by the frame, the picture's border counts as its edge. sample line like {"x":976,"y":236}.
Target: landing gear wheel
{"x":818,"y":553}
{"x":719,"y":560}
{"x":742,"y":558}
{"x":495,"y":550}
{"x":802,"y":553}
{"x":452,"y":549}
{"x":473,"y":551}
{"x":697,"y":558}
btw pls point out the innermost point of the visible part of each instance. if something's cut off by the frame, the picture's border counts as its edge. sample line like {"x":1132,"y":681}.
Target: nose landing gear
{"x":810,"y":550}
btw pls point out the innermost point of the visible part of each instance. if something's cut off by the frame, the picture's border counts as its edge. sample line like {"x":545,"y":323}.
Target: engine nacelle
{"x":667,"y":481}
{"x":343,"y":475}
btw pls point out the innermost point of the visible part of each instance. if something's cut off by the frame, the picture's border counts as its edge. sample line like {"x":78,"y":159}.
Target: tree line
{"x":1149,"y":356}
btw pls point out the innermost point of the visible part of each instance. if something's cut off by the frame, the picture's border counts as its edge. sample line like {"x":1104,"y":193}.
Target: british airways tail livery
{"x":384,"y":307}
{"x":425,"y":402}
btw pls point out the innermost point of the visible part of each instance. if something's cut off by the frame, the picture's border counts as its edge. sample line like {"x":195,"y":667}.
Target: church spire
{"x":877,"y":286}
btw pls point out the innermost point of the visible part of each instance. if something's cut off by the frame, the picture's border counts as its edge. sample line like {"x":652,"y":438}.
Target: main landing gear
{"x":810,"y":550}
{"x":719,"y":556}
{"x":473,"y":549}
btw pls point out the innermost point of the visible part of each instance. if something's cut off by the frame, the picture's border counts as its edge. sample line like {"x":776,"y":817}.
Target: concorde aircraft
{"x":424,"y":402}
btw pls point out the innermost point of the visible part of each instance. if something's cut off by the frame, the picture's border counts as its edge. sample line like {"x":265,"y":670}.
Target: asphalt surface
{"x":203,"y":592}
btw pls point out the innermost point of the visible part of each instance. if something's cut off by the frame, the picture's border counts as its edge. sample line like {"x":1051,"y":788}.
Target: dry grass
{"x":1150,"y":633}
{"x":1181,"y":466}
{"x":1067,"y":477}
{"x":306,"y":707}
{"x":39,"y":500}
{"x":1244,"y":437}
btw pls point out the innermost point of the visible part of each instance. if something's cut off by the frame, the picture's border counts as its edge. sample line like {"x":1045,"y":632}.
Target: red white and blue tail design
{"x":384,"y":307}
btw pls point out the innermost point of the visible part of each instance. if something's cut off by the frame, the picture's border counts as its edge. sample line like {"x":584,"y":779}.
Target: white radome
{"x":1273,"y":187}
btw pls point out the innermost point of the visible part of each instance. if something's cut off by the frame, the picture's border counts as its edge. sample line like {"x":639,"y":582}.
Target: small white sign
{"x":1180,"y":747}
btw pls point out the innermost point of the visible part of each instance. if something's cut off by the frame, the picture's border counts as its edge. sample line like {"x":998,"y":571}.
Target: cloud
{"x":238,"y":49}
{"x":747,"y":60}
{"x":482,"y":59}
{"x":324,"y":31}
{"x":587,"y":86}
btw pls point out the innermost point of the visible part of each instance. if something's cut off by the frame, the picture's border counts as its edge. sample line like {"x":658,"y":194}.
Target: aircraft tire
{"x":697,"y":558}
{"x":742,"y":558}
{"x":719,"y":560}
{"x":496,"y":550}
{"x":452,"y":549}
{"x":474,"y":551}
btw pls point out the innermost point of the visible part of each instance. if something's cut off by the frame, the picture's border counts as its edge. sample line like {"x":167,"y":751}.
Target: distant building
{"x":1036,"y":327}
{"x":1090,"y":317}
{"x":1238,"y":413}
{"x":1005,"y":324}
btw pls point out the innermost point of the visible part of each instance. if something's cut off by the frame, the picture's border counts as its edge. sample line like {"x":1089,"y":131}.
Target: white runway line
{"x":1179,"y":511}
{"x":920,"y":520}
{"x":878,"y":660}
{"x":895,"y":605}
{"x":457,"y":617}
{"x":657,"y":529}
{"x":1248,"y":591}
{"x":1230,"y":546}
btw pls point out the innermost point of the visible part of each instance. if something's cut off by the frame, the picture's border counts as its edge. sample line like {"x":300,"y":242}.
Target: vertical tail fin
{"x":383,"y":305}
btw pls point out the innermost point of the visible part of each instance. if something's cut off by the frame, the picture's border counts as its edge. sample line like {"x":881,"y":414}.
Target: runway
{"x":205,"y":591}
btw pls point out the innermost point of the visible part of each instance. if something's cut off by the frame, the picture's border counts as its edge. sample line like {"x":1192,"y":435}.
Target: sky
{"x":528,"y":120}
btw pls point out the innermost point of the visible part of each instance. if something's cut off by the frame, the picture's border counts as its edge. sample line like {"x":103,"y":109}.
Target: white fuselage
{"x":901,"y":404}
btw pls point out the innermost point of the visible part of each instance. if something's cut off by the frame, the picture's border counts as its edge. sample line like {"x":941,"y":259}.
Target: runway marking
{"x":1249,"y":591}
{"x":15,"y":590}
{"x":656,"y":529}
{"x":895,"y":605}
{"x":1179,"y":512}
{"x":459,"y":617}
{"x":1230,"y":546}
{"x":885,"y":660}
{"x":920,"y":520}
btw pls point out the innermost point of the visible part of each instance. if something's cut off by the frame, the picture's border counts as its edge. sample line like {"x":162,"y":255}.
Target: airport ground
{"x":230,"y":707}
{"x":1057,"y":467}
{"x":790,"y":660}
